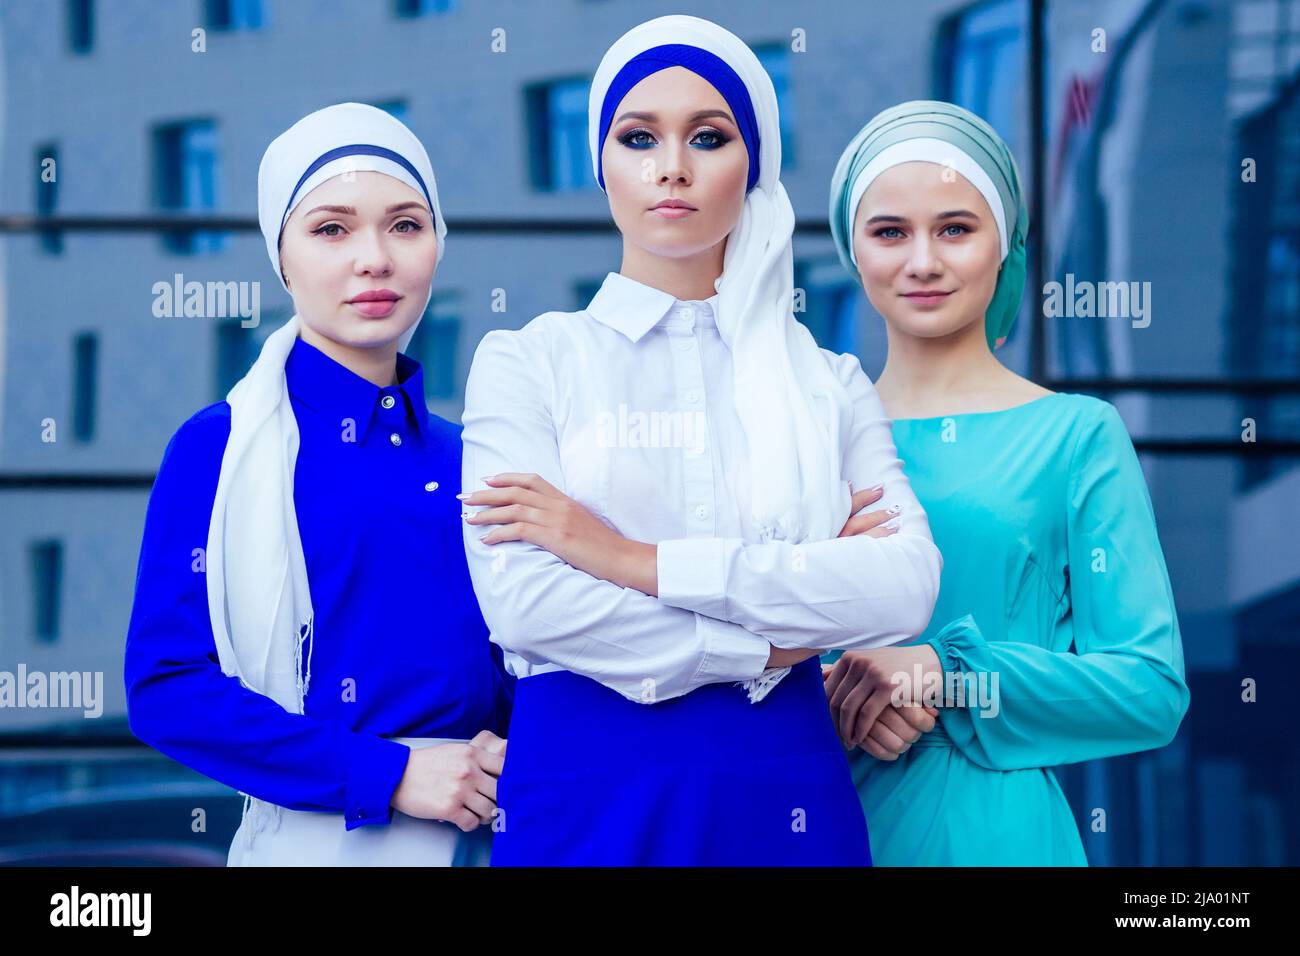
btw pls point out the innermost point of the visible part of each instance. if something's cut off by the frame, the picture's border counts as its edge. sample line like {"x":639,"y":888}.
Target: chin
{"x":372,"y":333}
{"x":675,"y":245}
{"x":935,"y":327}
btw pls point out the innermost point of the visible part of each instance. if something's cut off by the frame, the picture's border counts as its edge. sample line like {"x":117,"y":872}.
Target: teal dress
{"x":1054,"y":584}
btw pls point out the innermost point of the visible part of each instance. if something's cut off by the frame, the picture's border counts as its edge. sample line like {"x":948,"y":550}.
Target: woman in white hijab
{"x":662,"y":477}
{"x":321,"y":488}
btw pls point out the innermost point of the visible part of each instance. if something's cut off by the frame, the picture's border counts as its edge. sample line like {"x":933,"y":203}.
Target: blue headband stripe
{"x":358,"y":149}
{"x":707,"y":65}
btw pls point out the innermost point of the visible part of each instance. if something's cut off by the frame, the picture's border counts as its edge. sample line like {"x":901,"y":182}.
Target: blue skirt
{"x":707,"y":779}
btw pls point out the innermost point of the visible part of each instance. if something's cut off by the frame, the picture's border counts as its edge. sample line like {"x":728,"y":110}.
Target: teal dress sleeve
{"x":1121,"y":688}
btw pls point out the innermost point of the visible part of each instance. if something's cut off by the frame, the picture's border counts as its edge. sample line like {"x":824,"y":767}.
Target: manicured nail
{"x":875,"y":488}
{"x":464,"y":494}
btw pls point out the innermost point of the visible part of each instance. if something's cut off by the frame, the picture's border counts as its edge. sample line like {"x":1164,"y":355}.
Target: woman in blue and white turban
{"x":670,"y":480}
{"x":315,"y":506}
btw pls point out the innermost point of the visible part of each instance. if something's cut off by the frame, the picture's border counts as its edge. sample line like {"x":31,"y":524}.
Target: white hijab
{"x":795,"y":414}
{"x":258,"y":597}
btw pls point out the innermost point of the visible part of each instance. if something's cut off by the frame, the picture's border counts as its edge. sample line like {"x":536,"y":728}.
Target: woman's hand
{"x":529,"y":508}
{"x":453,"y":782}
{"x":897,"y":728}
{"x":876,"y":524}
{"x":863,"y":684}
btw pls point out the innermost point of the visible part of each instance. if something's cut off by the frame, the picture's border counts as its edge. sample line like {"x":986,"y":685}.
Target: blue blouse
{"x":403,"y":648}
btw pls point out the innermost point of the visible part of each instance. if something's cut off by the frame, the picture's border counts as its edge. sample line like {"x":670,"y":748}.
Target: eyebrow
{"x":950,"y":214}
{"x":694,"y":117}
{"x":352,"y":210}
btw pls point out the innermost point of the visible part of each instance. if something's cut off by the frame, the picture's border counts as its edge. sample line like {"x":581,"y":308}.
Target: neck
{"x":923,"y":372}
{"x":684,"y":277}
{"x":377,"y":364}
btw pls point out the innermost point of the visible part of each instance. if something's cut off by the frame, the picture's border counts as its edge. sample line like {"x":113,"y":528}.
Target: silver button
{"x":395,"y":438}
{"x":692,"y":396}
{"x":701,"y":512}
{"x":388,"y":401}
{"x":431,"y":486}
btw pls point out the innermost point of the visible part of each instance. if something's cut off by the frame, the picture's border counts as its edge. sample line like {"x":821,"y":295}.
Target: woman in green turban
{"x":1055,"y":637}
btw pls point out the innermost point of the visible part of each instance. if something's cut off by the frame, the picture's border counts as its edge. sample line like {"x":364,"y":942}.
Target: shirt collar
{"x":632,"y":307}
{"x":327,"y":386}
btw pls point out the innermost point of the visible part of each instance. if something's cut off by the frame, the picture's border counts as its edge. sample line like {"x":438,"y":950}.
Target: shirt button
{"x":701,"y":512}
{"x":692,"y":396}
{"x":431,"y":486}
{"x":388,"y":401}
{"x":685,"y":344}
{"x":395,"y":438}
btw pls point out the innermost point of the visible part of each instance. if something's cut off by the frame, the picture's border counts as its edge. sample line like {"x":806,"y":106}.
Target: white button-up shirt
{"x":627,"y":407}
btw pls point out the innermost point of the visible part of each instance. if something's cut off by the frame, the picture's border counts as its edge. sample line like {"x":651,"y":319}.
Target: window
{"x":830,"y":303}
{"x":47,"y":195}
{"x":419,"y":8}
{"x":775,"y":58}
{"x":559,"y":159}
{"x":47,"y":583}
{"x":982,"y":64}
{"x":394,"y":108}
{"x":1265,"y":269}
{"x":81,"y":25}
{"x":85,"y":375}
{"x":235,"y":14}
{"x":186,"y":168}
{"x":585,"y":290}
{"x":436,"y":346}
{"x":238,"y":347}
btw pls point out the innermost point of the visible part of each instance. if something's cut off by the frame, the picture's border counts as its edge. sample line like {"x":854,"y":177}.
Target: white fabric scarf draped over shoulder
{"x":795,"y":414}
{"x":258,"y":598}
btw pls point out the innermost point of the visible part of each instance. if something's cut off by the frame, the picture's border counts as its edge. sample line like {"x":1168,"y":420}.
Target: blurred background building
{"x":1160,"y":140}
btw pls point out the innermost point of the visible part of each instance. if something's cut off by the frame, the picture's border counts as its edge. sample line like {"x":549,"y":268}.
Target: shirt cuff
{"x":947,"y":642}
{"x":374,"y":769}
{"x":692,"y":574}
{"x":731,"y":653}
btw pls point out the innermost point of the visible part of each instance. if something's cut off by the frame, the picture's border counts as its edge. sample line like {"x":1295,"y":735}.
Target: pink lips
{"x":376,"y":303}
{"x":926,"y":298}
{"x":672,"y":208}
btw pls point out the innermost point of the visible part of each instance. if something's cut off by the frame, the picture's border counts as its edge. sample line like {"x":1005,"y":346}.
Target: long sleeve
{"x":538,"y":606}
{"x":846,"y":593}
{"x":178,"y":699}
{"x":1121,"y":689}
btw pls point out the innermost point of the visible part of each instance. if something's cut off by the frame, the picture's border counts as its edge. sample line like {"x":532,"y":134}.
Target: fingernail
{"x":488,"y":478}
{"x":891,"y":524}
{"x":876,"y":488}
{"x":485,"y":537}
{"x":464,"y":494}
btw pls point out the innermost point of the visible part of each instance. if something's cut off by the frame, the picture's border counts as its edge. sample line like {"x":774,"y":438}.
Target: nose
{"x":921,"y":260}
{"x":676,"y":164}
{"x":372,"y":256}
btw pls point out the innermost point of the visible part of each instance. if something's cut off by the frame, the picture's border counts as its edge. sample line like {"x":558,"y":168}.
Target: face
{"x":927,"y":249}
{"x":675,"y":165}
{"x":358,"y":253}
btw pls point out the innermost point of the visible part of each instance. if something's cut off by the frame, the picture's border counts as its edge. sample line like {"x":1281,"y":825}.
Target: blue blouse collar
{"x":327,"y":386}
